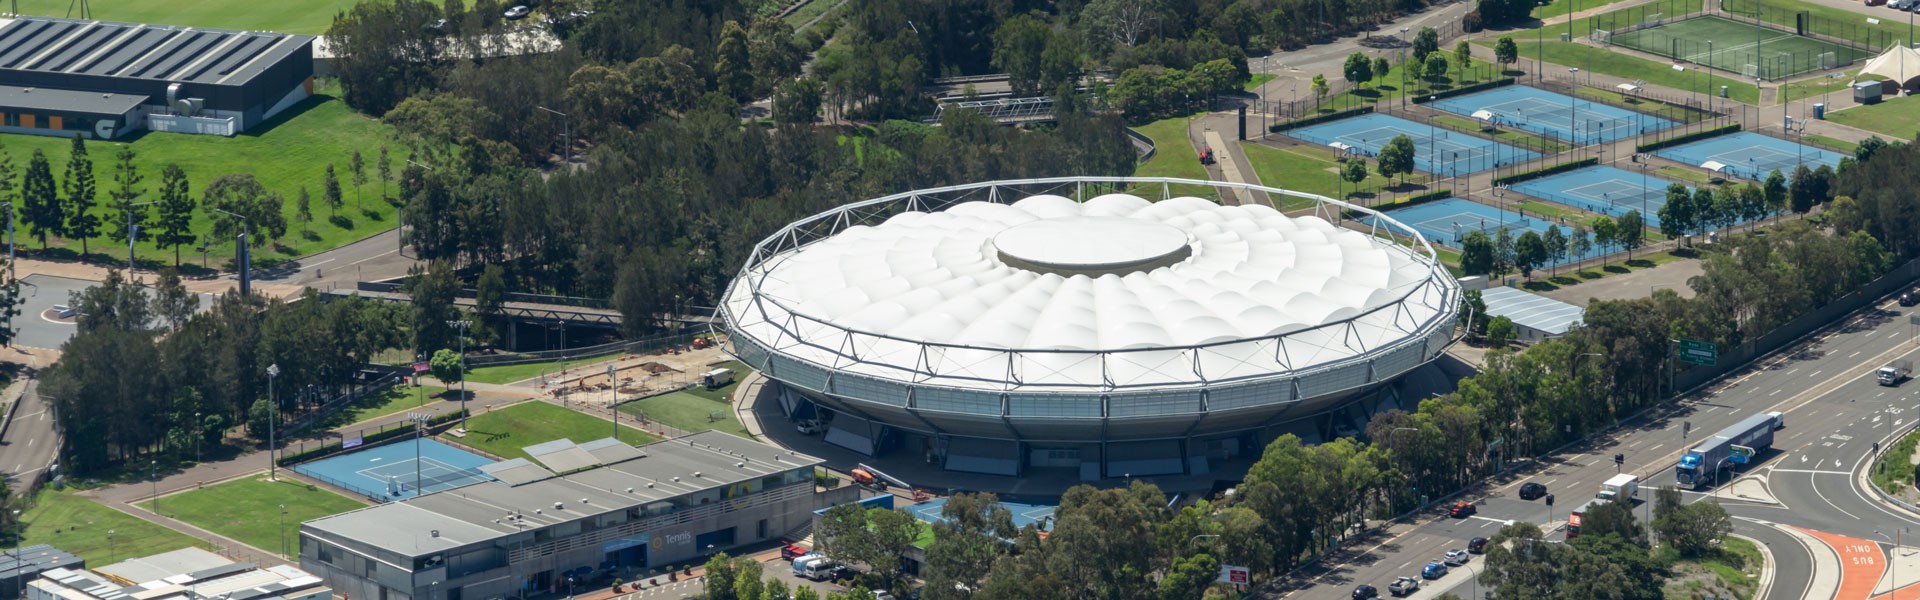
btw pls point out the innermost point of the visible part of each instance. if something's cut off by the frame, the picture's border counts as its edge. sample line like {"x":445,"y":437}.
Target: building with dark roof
{"x":105,"y":80}
{"x":184,"y":574}
{"x":21,"y":565}
{"x":582,"y":511}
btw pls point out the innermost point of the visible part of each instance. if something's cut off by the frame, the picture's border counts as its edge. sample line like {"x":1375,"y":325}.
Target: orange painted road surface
{"x":1862,"y":563}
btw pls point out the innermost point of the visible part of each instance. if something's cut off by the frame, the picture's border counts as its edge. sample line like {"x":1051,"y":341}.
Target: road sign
{"x":1234,"y":575}
{"x":1740,"y":454}
{"x":421,"y":367}
{"x":1699,"y":353}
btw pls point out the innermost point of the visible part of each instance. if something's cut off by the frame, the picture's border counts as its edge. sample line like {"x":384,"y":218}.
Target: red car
{"x":791,"y":552}
{"x":1462,"y":510}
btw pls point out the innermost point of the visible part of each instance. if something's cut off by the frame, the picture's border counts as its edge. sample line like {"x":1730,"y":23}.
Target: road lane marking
{"x":1814,"y":484}
{"x":1814,"y":374}
{"x":1655,"y":447}
{"x":1855,"y":353}
{"x":1862,"y":562}
{"x":1813,"y":471}
{"x":1776,"y":392}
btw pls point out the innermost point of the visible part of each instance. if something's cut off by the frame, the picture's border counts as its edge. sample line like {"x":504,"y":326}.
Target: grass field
{"x":1896,"y":117}
{"x":1834,"y":144}
{"x":1308,"y":170}
{"x":395,"y":399}
{"x":287,"y":16}
{"x":1686,"y":175}
{"x":1654,"y":107}
{"x":506,"y":431}
{"x":1254,"y":83}
{"x":1599,"y":60}
{"x":1510,"y":136}
{"x":511,"y":373}
{"x":1782,"y":12}
{"x":806,"y":13}
{"x":1389,"y":87}
{"x":79,"y":525}
{"x":1561,"y":7}
{"x":1775,"y":50}
{"x":1814,"y":90}
{"x":291,"y":151}
{"x":686,"y":411}
{"x":249,"y":510}
{"x":1173,"y":157}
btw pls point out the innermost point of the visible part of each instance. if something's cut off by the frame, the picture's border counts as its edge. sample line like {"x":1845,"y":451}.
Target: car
{"x":1462,"y":510}
{"x":882,"y":595}
{"x":1909,"y":299}
{"x":438,"y":25}
{"x":519,"y":12}
{"x":1403,"y":586}
{"x":1456,"y":557}
{"x":809,"y":427}
{"x":1434,"y":570}
{"x":1365,"y":592}
{"x":1531,"y":490}
{"x":791,"y":552}
{"x":1477,"y":545}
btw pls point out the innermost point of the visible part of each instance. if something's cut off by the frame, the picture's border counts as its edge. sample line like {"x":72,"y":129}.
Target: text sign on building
{"x":1235,"y":575}
{"x":1699,"y":353}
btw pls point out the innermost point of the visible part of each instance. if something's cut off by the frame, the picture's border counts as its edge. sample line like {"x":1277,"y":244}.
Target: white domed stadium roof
{"x":1050,"y":294}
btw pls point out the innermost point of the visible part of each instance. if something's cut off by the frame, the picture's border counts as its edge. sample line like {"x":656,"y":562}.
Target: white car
{"x":1456,"y":558}
{"x":1403,"y":586}
{"x":519,"y":12}
{"x":809,"y":427}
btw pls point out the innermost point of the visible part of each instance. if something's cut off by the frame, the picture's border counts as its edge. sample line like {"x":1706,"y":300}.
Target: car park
{"x":1462,"y":510}
{"x":1456,"y":557}
{"x":1434,"y":570}
{"x":1365,"y":592}
{"x":1477,"y":545}
{"x":1531,"y":490}
{"x":1403,"y":586}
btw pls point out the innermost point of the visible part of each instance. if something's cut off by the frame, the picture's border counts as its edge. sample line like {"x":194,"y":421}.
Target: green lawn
{"x":289,"y":16}
{"x":723,"y":393}
{"x":1677,"y":113}
{"x":1599,"y":60}
{"x":250,"y":510}
{"x":686,"y":411}
{"x":1308,"y":170}
{"x":393,"y":400}
{"x":1561,"y":7}
{"x":1730,"y":571}
{"x":1174,"y":157}
{"x":1815,"y":89}
{"x":506,"y":431}
{"x":1685,"y":175}
{"x":1253,"y":83}
{"x":1896,"y":117}
{"x":1836,"y":145}
{"x":79,"y":525}
{"x":1388,"y":87}
{"x":285,"y":154}
{"x":806,"y":13}
{"x":505,"y":374}
{"x":1535,"y":207}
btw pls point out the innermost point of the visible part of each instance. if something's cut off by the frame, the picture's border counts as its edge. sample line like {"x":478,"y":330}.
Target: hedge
{"x":1691,"y":137}
{"x":1467,"y":89}
{"x":1279,"y":127}
{"x":330,"y":449}
{"x":1409,"y":201}
{"x":1553,"y":170}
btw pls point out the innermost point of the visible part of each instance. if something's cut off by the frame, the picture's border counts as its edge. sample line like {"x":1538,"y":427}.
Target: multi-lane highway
{"x":1803,"y":501}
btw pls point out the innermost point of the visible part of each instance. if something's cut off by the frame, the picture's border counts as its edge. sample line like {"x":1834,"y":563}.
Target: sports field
{"x":1737,"y":47}
{"x":286,"y":16}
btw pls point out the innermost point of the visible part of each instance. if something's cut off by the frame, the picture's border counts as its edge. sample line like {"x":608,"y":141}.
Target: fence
{"x":331,"y":406}
{"x":1854,"y":32}
{"x":1644,"y":16}
{"x":1542,"y":143}
{"x":1681,"y":109}
{"x":633,"y":346}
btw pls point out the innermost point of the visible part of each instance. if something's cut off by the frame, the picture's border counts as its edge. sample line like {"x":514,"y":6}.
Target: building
{"x":1535,"y":317}
{"x":186,"y":574}
{"x":105,"y":80}
{"x":585,"y":511}
{"x":1005,"y":328}
{"x":19,"y":566}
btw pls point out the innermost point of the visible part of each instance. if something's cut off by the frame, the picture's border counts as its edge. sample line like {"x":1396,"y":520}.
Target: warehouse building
{"x":185,"y":574}
{"x":106,"y":80}
{"x":581,"y":513}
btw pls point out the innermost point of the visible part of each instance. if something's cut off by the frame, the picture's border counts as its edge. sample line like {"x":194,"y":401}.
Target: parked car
{"x":810,"y":427}
{"x":1403,"y":586}
{"x":1365,"y":592}
{"x":1462,"y":510}
{"x":1531,"y":490}
{"x":1434,"y":570}
{"x":519,"y":12}
{"x":1477,"y":545}
{"x":1456,"y":557}
{"x":1909,"y":299}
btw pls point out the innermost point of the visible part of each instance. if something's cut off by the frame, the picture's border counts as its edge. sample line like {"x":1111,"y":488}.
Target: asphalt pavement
{"x":31,"y":444}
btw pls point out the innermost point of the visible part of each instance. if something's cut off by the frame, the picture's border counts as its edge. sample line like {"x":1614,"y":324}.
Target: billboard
{"x":1234,"y":575}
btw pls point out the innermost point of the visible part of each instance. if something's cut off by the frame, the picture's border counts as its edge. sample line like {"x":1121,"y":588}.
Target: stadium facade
{"x":1004,"y":326}
{"x":106,"y":80}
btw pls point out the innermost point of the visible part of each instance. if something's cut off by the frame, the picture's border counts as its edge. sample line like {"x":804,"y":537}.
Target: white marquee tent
{"x":1899,"y":63}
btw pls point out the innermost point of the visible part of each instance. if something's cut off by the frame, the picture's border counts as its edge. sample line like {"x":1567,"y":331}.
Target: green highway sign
{"x":1699,"y":353}
{"x":1740,"y":454}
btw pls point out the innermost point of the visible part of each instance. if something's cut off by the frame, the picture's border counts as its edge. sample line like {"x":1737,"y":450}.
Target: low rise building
{"x":186,"y":574}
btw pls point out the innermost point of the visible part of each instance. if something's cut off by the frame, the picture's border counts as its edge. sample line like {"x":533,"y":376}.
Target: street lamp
{"x":199,"y":431}
{"x":1473,"y":576}
{"x":283,"y":530}
{"x":1893,"y":554}
{"x":462,"y":325}
{"x":246,"y":257}
{"x":273,"y":412}
{"x":566,"y":154}
{"x":153,"y":472}
{"x":110,"y":553}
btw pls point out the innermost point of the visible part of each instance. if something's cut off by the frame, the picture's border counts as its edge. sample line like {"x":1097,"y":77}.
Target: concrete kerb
{"x":13,"y":403}
{"x":1863,"y":475}
{"x":1767,"y":566}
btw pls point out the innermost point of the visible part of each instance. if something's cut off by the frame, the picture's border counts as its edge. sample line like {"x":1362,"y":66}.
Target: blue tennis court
{"x":389,"y":472}
{"x":1605,"y":190}
{"x":1023,"y":514}
{"x":1750,"y":155}
{"x":1558,"y":116}
{"x":1446,"y":222}
{"x":1438,"y":151}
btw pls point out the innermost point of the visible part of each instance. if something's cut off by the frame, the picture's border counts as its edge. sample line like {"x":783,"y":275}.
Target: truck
{"x":1574,"y":518}
{"x":1736,"y":445}
{"x":1622,"y":486}
{"x":1895,"y":372}
{"x":717,"y":378}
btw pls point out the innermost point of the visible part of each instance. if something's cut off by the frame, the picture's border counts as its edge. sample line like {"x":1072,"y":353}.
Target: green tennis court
{"x":1736,"y":47}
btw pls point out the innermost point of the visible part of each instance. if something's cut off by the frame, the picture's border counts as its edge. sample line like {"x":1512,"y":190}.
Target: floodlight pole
{"x":462,"y":325}
{"x":245,"y":257}
{"x":273,"y":410}
{"x":566,"y":154}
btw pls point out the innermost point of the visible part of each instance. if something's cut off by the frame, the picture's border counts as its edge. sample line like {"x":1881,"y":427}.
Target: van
{"x":819,"y":570}
{"x":801,"y":563}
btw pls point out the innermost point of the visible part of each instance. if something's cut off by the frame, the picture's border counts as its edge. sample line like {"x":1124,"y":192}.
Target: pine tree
{"x":9,"y":189}
{"x":386,"y":172}
{"x":176,"y":211}
{"x":303,"y":210}
{"x":40,"y":200}
{"x":127,"y":219}
{"x":358,"y":168}
{"x":82,"y":224}
{"x":332,"y":192}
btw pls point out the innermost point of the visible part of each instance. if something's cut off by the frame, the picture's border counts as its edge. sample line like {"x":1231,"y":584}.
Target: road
{"x":1834,"y":411}
{"x":372,"y":259}
{"x":31,"y":443}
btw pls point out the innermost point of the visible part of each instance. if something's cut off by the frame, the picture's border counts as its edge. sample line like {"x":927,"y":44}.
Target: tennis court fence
{"x":1854,"y":33}
{"x":1644,"y":16}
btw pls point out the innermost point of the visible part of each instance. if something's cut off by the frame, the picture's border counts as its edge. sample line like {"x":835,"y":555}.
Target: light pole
{"x":153,"y":472}
{"x":10,"y":220}
{"x":1473,"y":576}
{"x":462,"y":325}
{"x":16,"y":551}
{"x":283,"y":530}
{"x":245,"y":259}
{"x":110,"y":553}
{"x":566,"y":154}
{"x":133,"y":234}
{"x":1893,"y":555}
{"x":273,"y":412}
{"x":199,"y":431}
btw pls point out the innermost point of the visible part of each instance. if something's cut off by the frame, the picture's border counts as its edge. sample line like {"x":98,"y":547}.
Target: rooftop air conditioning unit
{"x":185,"y":107}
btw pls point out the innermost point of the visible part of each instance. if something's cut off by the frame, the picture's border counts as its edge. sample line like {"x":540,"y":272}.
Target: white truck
{"x":717,"y":378}
{"x":1620,"y":486}
{"x":1895,"y":372}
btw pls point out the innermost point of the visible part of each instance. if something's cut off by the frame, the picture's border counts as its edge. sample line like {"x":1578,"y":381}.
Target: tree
{"x":126,"y":218}
{"x":1630,"y":232}
{"x":1865,"y":150}
{"x":1727,"y":207}
{"x":1125,"y":22}
{"x":732,"y":66}
{"x":1380,"y":68}
{"x":1319,"y":88}
{"x":1695,"y":528}
{"x":490,"y":300}
{"x":303,"y":210}
{"x":1358,"y":69}
{"x":775,"y":54}
{"x":1190,"y":577}
{"x":259,"y":210}
{"x":797,"y":101}
{"x":1503,"y":253}
{"x":1427,"y":41}
{"x":1473,"y":306}
{"x":1614,"y":518}
{"x":1396,"y":158}
{"x":330,"y":192}
{"x":9,"y":188}
{"x":446,"y":365}
{"x":1505,"y":51}
{"x":1753,"y":205}
{"x":892,"y":533}
{"x":1463,"y":57}
{"x":1604,"y":235}
{"x":1666,"y":501}
{"x":1556,"y":242}
{"x":1676,"y":216}
{"x":1706,"y":210}
{"x":358,"y":168}
{"x":1529,"y":252}
{"x":79,"y":186}
{"x":1018,"y":45}
{"x":175,"y":211}
{"x":1580,"y":243}
{"x":1823,"y":184}
{"x":1801,"y":191}
{"x":1775,"y":191}
{"x":432,"y":290}
{"x":114,"y":304}
{"x":1476,"y":253}
{"x":721,"y":576}
{"x":386,"y":171}
{"x":1354,"y":171}
{"x":40,"y":200}
{"x":1500,"y":332}
{"x":1435,"y":67}
{"x":172,"y":301}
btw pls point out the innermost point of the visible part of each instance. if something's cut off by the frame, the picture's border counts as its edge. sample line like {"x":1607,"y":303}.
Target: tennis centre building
{"x":105,"y":80}
{"x":584,"y":512}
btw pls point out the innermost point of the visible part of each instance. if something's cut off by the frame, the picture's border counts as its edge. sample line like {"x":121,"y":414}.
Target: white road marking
{"x":1793,"y":371}
{"x":1655,"y":447}
{"x":1813,"y":471}
{"x":1815,"y":485}
{"x":1776,"y":392}
{"x":1855,"y":353}
{"x":1814,"y":374}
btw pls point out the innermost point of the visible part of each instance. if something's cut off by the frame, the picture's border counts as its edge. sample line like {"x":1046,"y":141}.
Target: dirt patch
{"x":657,"y":368}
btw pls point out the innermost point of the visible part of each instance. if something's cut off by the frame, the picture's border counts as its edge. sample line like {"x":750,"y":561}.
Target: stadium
{"x":1003,"y":326}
